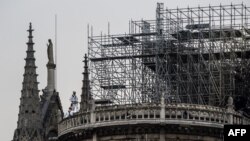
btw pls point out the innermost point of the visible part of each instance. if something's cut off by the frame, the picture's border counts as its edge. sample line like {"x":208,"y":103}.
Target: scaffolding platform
{"x":196,"y":55}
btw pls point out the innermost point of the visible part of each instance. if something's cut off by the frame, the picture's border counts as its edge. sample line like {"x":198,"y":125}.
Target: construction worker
{"x":69,"y":113}
{"x":74,"y":102}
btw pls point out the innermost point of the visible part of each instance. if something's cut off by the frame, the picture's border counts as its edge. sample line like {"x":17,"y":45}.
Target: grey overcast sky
{"x":72,"y":19}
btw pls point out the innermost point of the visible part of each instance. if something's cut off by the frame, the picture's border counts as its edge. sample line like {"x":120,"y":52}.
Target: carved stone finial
{"x":50,"y":52}
{"x":230,"y":104}
{"x":162,"y":100}
{"x":230,"y":101}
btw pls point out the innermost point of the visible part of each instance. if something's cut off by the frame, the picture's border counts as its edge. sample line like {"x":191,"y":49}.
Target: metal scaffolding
{"x":186,"y":55}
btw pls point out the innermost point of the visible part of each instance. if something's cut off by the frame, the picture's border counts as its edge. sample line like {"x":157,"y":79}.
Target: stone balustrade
{"x":186,"y":114}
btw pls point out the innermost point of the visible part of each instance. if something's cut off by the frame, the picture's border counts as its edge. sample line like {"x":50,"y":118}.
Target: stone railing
{"x":186,"y":114}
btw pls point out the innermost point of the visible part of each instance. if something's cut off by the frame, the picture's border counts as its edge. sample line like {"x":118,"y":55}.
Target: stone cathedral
{"x":179,"y":77}
{"x":39,"y":116}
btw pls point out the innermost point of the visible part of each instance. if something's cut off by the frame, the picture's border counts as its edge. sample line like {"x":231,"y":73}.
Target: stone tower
{"x":29,"y":126}
{"x":85,"y":96}
{"x":38,"y":117}
{"x":51,"y":109}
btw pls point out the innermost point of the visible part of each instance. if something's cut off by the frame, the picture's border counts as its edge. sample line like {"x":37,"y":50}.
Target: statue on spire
{"x":50,"y":52}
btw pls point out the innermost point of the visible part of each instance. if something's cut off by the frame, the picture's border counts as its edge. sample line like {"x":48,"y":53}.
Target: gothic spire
{"x":29,"y":122}
{"x":85,"y":96}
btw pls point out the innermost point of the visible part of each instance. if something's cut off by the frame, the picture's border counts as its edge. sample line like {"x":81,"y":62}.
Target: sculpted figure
{"x":50,"y":52}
